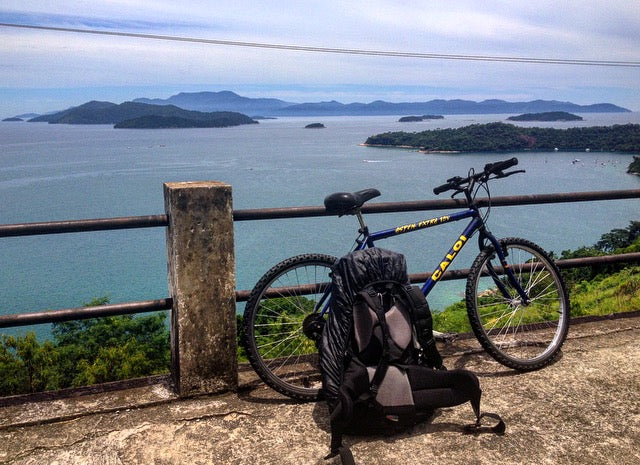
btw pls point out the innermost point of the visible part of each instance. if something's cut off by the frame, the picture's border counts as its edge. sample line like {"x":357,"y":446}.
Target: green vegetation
{"x":634,"y":167}
{"x":605,"y":289}
{"x":607,"y":294}
{"x":494,"y":137}
{"x":452,"y":319}
{"x":84,"y":352}
{"x":282,"y":316}
{"x":546,"y":116}
{"x":597,"y":290}
{"x":278,"y":323}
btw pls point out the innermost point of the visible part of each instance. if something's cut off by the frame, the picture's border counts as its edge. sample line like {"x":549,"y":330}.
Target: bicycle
{"x":516,"y":300}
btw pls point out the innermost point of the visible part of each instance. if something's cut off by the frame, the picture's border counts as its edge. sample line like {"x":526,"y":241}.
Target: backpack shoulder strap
{"x":373,"y":300}
{"x":424,"y":326}
{"x":474,"y":393}
{"x":499,"y":428}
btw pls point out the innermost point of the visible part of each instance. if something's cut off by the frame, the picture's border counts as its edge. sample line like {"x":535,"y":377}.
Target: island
{"x":143,"y":116}
{"x":411,"y":119}
{"x":176,"y":122}
{"x":492,"y":137}
{"x":314,"y":126}
{"x":634,"y":167}
{"x":15,"y":118}
{"x":546,"y":116}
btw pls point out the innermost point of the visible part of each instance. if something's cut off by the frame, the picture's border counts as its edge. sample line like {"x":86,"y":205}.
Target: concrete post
{"x":202,"y":284}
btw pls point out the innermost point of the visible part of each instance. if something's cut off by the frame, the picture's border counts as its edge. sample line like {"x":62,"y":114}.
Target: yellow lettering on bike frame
{"x":444,"y":264}
{"x":422,"y":224}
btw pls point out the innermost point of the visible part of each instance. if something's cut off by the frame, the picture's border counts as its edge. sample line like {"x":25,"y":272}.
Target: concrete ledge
{"x":68,"y":404}
{"x":582,"y":410}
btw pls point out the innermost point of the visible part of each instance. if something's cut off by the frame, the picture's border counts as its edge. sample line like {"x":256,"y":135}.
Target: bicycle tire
{"x":521,"y":336}
{"x":282,"y":356}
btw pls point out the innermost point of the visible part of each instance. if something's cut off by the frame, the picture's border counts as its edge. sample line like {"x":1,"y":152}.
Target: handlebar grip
{"x":499,"y":166}
{"x":440,"y":189}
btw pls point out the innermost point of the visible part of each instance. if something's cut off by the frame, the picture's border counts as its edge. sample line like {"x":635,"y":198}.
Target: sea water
{"x":68,"y":172}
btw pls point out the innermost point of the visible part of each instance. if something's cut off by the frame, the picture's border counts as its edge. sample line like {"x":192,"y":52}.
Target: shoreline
{"x":449,"y":152}
{"x":409,"y":147}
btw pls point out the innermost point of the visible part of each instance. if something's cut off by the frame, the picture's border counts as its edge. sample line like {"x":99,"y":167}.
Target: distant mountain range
{"x":230,"y":101}
{"x":221,"y":101}
{"x":184,"y":109}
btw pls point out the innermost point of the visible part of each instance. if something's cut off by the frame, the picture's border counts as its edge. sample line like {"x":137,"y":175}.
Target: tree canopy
{"x":85,"y":352}
{"x":494,"y":137}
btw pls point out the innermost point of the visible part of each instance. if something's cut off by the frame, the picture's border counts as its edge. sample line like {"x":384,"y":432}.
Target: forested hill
{"x":142,"y":115}
{"x":501,"y":136}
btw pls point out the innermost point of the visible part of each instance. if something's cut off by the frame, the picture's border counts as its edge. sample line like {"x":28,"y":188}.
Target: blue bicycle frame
{"x":368,"y":240}
{"x":476,"y":224}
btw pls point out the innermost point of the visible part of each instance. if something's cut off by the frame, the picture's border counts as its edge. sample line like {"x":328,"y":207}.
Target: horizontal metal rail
{"x":82,"y":313}
{"x":151,"y":221}
{"x":133,"y":222}
{"x":422,"y":205}
{"x":73,"y":226}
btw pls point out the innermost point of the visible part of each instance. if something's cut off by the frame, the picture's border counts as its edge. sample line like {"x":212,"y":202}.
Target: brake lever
{"x":505,"y":175}
{"x":458,"y":191}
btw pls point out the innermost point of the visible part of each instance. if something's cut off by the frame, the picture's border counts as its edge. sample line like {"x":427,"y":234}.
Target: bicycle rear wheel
{"x":520,"y":335}
{"x":285,"y":298}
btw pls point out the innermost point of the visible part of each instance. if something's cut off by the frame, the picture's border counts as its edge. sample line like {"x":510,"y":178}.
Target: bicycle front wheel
{"x":519,"y":334}
{"x":287,"y":297}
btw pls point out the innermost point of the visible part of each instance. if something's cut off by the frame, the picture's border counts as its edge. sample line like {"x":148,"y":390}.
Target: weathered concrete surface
{"x":585,"y":409}
{"x":201,"y":267}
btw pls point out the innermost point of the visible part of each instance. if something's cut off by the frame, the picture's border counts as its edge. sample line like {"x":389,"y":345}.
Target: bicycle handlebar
{"x":445,"y":187}
{"x":500,"y":166}
{"x":496,"y":168}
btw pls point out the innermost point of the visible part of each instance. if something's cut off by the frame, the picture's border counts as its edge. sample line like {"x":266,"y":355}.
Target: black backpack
{"x":378,"y":357}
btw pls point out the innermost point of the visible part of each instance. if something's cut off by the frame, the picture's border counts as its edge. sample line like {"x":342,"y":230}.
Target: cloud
{"x":596,"y":30}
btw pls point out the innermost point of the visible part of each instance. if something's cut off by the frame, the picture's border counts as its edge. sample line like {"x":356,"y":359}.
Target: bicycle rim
{"x":277,"y":348}
{"x":521,"y":335}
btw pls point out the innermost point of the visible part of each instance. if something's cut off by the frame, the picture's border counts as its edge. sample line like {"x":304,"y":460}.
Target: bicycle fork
{"x":507,"y":269}
{"x":478,"y":225}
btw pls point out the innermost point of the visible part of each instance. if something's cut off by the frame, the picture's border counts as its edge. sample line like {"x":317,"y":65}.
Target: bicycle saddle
{"x":346,"y":203}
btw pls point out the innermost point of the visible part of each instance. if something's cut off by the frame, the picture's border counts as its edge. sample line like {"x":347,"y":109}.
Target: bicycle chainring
{"x":312,"y":326}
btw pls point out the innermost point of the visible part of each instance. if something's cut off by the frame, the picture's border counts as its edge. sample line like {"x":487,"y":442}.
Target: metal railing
{"x":61,"y":227}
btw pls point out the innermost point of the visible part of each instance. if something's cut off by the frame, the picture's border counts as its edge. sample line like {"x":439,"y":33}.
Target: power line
{"x":344,"y":51}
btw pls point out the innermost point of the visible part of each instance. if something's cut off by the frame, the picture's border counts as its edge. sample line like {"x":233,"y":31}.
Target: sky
{"x":45,"y":70}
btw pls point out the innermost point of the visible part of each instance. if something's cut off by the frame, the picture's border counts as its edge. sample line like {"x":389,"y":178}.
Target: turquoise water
{"x":60,"y":172}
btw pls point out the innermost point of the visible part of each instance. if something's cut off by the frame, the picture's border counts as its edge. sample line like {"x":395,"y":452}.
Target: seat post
{"x":363,"y":226}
